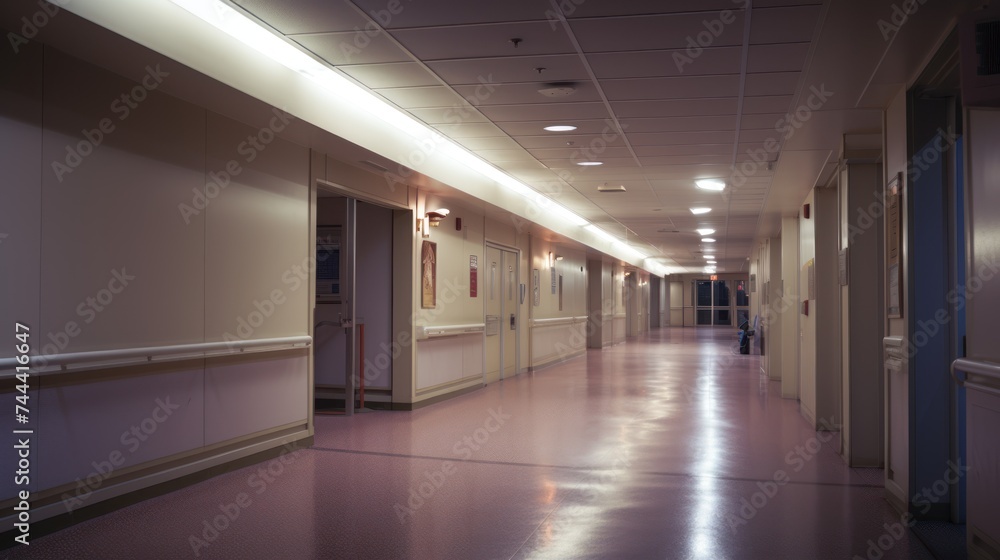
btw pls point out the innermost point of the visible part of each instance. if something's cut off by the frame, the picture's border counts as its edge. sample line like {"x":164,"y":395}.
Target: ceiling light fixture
{"x":589,"y":163}
{"x":610,"y":188}
{"x":232,"y":22}
{"x":560,"y":128}
{"x":711,"y":184}
{"x":705,"y":231}
{"x":697,"y":211}
{"x":707,"y":240}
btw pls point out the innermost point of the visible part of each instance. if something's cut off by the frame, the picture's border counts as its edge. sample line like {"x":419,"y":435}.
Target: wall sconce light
{"x":559,"y":257}
{"x":431,"y":219}
{"x":435,"y":217}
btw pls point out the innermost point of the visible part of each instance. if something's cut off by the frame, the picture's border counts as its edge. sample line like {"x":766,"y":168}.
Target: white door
{"x":502,"y":318}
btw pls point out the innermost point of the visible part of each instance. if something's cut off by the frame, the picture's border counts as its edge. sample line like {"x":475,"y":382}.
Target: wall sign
{"x":536,"y":287}
{"x":473,"y":275}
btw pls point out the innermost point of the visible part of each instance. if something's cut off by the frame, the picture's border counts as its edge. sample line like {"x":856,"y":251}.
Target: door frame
{"x":517,"y":306}
{"x":403,"y":368}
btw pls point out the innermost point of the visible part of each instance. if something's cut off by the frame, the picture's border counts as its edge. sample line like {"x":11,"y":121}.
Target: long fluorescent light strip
{"x":247,"y":31}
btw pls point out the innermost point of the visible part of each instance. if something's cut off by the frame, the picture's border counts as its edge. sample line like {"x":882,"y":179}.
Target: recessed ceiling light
{"x":711,"y":184}
{"x":700,"y":210}
{"x":707,"y":240}
{"x":560,"y":128}
{"x":709,"y":257}
{"x":713,"y":261}
{"x":589,"y":163}
{"x":705,"y":231}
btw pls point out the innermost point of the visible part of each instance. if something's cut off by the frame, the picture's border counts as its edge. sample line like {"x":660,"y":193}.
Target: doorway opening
{"x":355,"y":352}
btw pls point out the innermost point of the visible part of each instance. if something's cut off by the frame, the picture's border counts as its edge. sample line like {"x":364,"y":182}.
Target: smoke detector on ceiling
{"x":558,"y":89}
{"x":608,"y":188}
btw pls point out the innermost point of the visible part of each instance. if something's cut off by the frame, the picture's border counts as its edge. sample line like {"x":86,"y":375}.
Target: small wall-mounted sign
{"x":473,"y":275}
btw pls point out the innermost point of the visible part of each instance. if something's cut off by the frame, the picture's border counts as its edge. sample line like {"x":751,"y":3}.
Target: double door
{"x":502,"y":309}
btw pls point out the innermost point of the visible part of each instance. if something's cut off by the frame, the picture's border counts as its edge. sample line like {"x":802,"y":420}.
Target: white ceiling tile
{"x":558,"y":68}
{"x":678,"y":124}
{"x":560,"y":141}
{"x":685,"y":160}
{"x":469,"y":130}
{"x":649,"y":32}
{"x":340,"y":48}
{"x":649,"y":64}
{"x":783,"y":57}
{"x":693,"y":87}
{"x":391,"y":75}
{"x":668,"y":138}
{"x":488,"y":143}
{"x":481,"y":41}
{"x":569,"y":152}
{"x":306,"y":16}
{"x":676,"y":107}
{"x":536,"y":128}
{"x":761,"y":121}
{"x":516,"y":94}
{"x":793,"y":24}
{"x":559,"y":113}
{"x":426,"y":96}
{"x":641,"y":7}
{"x":448,"y":115}
{"x":685,"y":150}
{"x":766,"y":104}
{"x":453,"y":12}
{"x":775,"y":83}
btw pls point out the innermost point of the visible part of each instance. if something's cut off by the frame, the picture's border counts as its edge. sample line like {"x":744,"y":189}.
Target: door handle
{"x":513,"y":322}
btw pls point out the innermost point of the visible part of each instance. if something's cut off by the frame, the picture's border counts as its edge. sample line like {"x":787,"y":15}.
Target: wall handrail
{"x":557,"y":321}
{"x":153,"y":353}
{"x":961,"y":367}
{"x":433,"y":331}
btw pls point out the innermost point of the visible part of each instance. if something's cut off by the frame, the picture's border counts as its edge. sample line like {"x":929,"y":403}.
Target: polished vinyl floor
{"x":671,"y":446}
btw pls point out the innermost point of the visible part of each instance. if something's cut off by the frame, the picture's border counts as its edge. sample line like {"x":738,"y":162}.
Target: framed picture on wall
{"x":428,"y":275}
{"x":536,"y":288}
{"x":894,"y":247}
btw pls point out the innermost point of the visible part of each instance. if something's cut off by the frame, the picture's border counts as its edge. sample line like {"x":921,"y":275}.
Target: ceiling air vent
{"x":979,"y":51}
{"x":988,"y":48}
{"x":558,"y":89}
